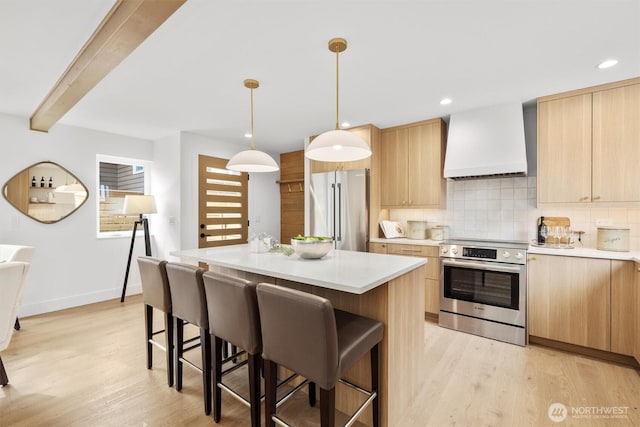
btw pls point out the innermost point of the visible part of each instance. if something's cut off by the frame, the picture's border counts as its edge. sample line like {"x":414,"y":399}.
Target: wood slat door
{"x":223,"y":213}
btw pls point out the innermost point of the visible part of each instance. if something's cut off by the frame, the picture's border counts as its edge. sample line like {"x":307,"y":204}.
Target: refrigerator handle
{"x":339,"y":212}
{"x":333,"y":188}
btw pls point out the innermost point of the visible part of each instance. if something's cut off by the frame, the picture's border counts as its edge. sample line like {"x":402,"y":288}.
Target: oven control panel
{"x":496,"y":254}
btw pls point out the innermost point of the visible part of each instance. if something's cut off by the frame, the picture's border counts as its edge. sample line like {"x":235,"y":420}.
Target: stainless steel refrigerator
{"x":339,"y":207}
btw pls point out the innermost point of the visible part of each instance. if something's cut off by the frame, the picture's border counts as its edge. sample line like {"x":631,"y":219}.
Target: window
{"x":118,"y":177}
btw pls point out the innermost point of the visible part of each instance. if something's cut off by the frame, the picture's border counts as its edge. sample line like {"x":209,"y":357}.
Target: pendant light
{"x":252,"y":160}
{"x":338,"y":145}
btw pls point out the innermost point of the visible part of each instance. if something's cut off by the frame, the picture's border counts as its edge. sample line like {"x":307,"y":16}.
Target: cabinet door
{"x":637,"y":286}
{"x":393,"y":167}
{"x":569,"y":300}
{"x":623,"y":308}
{"x":616,"y":144}
{"x":432,"y":296}
{"x":425,"y":181}
{"x":564,"y":150}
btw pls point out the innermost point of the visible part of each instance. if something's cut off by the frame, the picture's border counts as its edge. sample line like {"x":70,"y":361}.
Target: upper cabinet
{"x":368,"y":133}
{"x":411,"y":162}
{"x":588,"y":147}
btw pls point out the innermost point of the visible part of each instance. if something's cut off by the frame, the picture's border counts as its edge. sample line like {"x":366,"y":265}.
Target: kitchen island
{"x":388,"y":288}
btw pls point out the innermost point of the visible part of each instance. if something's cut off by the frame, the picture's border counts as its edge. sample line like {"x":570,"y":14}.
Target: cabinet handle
{"x":404,"y":202}
{"x":639,"y":269}
{"x":410,"y":250}
{"x":596,"y":198}
{"x":584,"y":199}
{"x":531,"y":258}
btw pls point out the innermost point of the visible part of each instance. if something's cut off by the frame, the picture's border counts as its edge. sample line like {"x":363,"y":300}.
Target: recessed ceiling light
{"x":247,"y":135}
{"x":446,"y":101}
{"x":607,"y":64}
{"x":345,"y":124}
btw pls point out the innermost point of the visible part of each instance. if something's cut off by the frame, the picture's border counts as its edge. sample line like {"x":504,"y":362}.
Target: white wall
{"x":71,"y":266}
{"x":264,"y":193}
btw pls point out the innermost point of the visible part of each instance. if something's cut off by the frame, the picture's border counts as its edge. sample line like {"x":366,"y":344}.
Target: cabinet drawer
{"x":378,"y":248}
{"x":414,"y":250}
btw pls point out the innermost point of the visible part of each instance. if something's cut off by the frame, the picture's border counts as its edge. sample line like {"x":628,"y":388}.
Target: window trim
{"x":104,"y":158}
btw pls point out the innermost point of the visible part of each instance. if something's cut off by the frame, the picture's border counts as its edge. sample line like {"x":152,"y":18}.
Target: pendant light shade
{"x":338,"y":145}
{"x":252,"y":160}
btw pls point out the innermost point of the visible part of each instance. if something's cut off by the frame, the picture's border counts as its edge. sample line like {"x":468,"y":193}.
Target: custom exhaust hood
{"x":487,"y":142}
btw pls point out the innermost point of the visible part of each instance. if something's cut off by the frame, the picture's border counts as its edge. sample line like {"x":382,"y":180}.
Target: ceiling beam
{"x":126,"y":26}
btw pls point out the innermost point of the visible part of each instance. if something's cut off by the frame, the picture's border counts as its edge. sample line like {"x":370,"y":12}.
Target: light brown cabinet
{"x":588,"y":148}
{"x":569,"y":300}
{"x":623,"y":308}
{"x":431,"y":269}
{"x":411,"y":162}
{"x":637,"y":299}
{"x":584,"y":301}
{"x":291,"y":195}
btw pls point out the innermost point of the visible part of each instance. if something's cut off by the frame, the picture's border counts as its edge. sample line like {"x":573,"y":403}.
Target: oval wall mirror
{"x":45,"y":192}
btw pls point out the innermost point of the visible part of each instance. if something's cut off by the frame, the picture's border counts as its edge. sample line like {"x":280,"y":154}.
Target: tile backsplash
{"x":505,"y":208}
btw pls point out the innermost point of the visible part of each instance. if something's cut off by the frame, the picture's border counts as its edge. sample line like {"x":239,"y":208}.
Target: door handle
{"x":201,"y":225}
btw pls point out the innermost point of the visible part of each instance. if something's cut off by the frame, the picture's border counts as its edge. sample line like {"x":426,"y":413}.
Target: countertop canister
{"x":613,"y":238}
{"x":416,"y":230}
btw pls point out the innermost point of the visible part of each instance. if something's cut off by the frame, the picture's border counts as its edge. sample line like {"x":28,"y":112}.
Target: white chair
{"x":12,"y":282}
{"x":17,"y":253}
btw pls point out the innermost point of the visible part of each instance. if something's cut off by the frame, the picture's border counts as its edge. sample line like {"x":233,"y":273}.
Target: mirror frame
{"x":32,"y":217}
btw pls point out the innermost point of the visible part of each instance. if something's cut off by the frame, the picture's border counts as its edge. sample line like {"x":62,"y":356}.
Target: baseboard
{"x":585,"y":351}
{"x":76,"y":300}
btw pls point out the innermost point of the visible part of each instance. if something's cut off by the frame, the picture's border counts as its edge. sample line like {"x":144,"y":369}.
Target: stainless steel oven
{"x":484,"y":288}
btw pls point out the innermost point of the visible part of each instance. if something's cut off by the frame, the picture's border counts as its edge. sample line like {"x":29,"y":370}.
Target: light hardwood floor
{"x":86,"y":367}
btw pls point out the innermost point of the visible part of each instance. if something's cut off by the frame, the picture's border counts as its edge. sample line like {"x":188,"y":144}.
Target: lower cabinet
{"x":431,"y":269}
{"x":637,"y":299}
{"x":583,"y":301}
{"x":623,"y":308}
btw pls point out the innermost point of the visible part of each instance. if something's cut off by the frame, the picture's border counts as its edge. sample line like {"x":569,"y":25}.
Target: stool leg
{"x":218,"y":344}
{"x":254,"y":388}
{"x":168,"y":330}
{"x":205,"y":348}
{"x":312,"y":393}
{"x":148,"y":321}
{"x":179,"y":352}
{"x":327,"y":407}
{"x":270,"y":384}
{"x":375,"y":378}
{"x":4,"y":379}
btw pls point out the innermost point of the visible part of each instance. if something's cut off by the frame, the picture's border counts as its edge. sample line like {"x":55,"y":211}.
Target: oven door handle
{"x":482,"y":266}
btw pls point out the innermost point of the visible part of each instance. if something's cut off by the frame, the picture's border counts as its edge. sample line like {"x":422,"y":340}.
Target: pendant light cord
{"x":337,"y":89}
{"x":253,"y":146}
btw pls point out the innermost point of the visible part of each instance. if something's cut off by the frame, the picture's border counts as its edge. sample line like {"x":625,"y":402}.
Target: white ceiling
{"x":403,"y":57}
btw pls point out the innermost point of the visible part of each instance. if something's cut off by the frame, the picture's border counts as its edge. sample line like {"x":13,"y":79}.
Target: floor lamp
{"x":138,"y":205}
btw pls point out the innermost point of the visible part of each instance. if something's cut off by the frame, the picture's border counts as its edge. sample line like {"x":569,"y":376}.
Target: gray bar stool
{"x":189,"y":304}
{"x":234,"y":318}
{"x":303,"y":333}
{"x":156,"y":294}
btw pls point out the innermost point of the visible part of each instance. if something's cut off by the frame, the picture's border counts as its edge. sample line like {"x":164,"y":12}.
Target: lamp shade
{"x":135,"y":205}
{"x":252,"y":161}
{"x":338,"y":146}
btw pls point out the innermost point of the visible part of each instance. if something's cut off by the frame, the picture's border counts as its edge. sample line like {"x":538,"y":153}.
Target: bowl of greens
{"x":311,"y":247}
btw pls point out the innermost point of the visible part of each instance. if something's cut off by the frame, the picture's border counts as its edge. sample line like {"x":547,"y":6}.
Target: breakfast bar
{"x":387,"y":288}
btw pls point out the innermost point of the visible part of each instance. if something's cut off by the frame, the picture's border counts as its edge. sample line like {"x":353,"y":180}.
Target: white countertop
{"x":583,"y":252}
{"x":578,"y":251}
{"x":405,"y":241}
{"x":347,"y":271}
